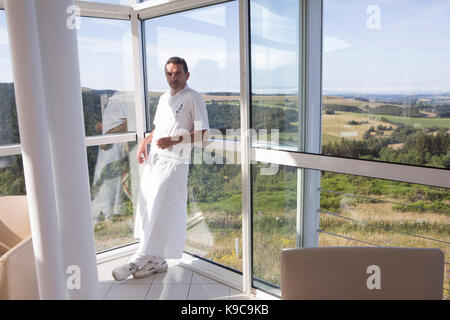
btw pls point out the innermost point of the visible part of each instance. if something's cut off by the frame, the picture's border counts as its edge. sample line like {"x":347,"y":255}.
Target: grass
{"x":350,"y":102}
{"x":418,"y":123}
{"x":114,"y":233}
{"x":335,"y":126}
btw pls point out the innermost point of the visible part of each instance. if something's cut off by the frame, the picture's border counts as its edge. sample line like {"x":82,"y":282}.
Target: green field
{"x":418,"y":123}
{"x":336,"y":126}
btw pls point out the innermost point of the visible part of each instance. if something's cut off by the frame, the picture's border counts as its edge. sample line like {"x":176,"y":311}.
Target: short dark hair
{"x":177,"y":60}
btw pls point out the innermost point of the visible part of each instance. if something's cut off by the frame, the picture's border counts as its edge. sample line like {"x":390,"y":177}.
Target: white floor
{"x":178,"y":283}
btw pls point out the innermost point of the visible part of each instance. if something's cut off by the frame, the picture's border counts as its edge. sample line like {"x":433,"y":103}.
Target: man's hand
{"x":167,"y":142}
{"x":142,"y":149}
{"x":142,"y":152}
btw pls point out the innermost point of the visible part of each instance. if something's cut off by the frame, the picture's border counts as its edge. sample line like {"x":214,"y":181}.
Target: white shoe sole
{"x":121,"y":278}
{"x":163,"y":268}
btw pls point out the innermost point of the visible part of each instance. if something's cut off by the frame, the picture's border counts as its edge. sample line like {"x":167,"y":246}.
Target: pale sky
{"x":398,"y":46}
{"x":370,"y":46}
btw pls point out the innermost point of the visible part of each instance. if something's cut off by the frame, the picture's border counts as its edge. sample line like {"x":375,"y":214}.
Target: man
{"x":181,"y":118}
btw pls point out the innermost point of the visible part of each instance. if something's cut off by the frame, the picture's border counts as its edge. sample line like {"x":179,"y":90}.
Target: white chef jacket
{"x":178,"y":115}
{"x":162,"y":201}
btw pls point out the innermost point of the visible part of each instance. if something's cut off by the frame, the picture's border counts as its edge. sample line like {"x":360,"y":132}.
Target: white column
{"x":60,"y":65}
{"x":30,"y":102}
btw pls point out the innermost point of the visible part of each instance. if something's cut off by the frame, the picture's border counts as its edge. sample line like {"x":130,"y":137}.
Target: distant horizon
{"x":292,"y":91}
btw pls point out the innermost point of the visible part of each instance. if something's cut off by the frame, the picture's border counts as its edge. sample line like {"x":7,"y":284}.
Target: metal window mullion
{"x":138,"y":43}
{"x":139,"y":74}
{"x":368,"y":168}
{"x":10,"y":150}
{"x":301,"y":120}
{"x":110,"y":139}
{"x":244,"y":48}
{"x":155,"y":9}
{"x":312,"y":121}
{"x":103,"y":10}
{"x":16,"y":149}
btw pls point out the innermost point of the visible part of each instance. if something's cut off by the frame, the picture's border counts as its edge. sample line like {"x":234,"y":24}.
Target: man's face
{"x":176,"y":77}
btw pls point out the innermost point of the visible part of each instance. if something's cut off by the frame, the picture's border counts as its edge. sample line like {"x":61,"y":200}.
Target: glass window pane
{"x":9,"y":128}
{"x":386,"y":81}
{"x":274,"y":212}
{"x":275,"y":71}
{"x":214,"y":223}
{"x":106,"y":68}
{"x":208,"y":39}
{"x":360,"y":211}
{"x":354,"y":211}
{"x":114,"y":179}
{"x":12,"y":181}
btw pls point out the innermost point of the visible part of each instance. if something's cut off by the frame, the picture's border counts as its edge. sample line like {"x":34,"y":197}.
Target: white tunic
{"x":162,"y":201}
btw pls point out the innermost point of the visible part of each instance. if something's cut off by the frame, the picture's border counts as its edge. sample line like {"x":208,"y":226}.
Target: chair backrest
{"x":14,"y":221}
{"x":360,"y":273}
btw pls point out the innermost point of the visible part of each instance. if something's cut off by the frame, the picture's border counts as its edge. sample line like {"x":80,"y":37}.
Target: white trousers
{"x":161,"y":211}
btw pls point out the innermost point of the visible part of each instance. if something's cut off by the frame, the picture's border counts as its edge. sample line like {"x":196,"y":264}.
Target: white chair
{"x":361,"y":273}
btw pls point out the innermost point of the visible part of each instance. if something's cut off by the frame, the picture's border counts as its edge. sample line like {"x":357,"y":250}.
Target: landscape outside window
{"x":11,"y":169}
{"x":274,"y":222}
{"x":108,"y":108}
{"x":386,"y":97}
{"x":12,"y":180}
{"x":275,"y":72}
{"x":274,"y":33}
{"x":360,"y":211}
{"x":208,"y":39}
{"x":354,"y":211}
{"x":114,"y":178}
{"x":108,"y":93}
{"x":386,"y":81}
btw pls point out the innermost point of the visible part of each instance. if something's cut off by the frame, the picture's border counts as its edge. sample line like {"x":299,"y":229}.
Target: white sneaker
{"x":124,"y":271}
{"x":149,"y":269}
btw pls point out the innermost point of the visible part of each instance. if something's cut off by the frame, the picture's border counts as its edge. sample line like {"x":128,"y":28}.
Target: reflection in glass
{"x":114,"y":176}
{"x":275,"y":70}
{"x":116,"y":113}
{"x":9,"y":129}
{"x":108,"y":92}
{"x":386,"y":81}
{"x":274,"y":205}
{"x":12,"y":181}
